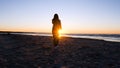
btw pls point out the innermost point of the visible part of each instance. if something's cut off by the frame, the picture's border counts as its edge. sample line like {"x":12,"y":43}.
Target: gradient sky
{"x":77,"y":16}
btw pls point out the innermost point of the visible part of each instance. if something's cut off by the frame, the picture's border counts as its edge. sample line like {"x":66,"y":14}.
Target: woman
{"x":55,"y":30}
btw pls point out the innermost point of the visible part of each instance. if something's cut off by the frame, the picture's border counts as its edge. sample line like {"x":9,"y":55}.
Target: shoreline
{"x":27,"y":51}
{"x":105,"y":37}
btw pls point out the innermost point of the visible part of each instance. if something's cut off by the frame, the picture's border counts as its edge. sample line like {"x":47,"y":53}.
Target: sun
{"x":60,"y":32}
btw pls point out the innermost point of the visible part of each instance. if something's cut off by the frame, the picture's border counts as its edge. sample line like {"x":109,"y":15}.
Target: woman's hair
{"x":56,"y":17}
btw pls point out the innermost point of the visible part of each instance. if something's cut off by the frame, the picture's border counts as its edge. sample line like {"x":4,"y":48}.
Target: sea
{"x":105,"y":37}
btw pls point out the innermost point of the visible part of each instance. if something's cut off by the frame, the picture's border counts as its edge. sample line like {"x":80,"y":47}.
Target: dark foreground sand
{"x":22,"y":51}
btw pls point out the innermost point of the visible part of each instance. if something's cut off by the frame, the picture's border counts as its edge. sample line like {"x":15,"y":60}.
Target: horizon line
{"x":49,"y":32}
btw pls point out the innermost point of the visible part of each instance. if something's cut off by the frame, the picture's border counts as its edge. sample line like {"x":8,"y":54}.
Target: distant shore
{"x":27,"y":51}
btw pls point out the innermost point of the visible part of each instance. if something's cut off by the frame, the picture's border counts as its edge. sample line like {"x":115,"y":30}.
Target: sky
{"x":77,"y":16}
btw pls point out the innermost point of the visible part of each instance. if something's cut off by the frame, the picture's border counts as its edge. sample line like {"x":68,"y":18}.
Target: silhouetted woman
{"x":55,"y":30}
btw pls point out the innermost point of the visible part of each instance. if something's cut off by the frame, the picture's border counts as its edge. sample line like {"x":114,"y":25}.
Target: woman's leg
{"x":55,"y":40}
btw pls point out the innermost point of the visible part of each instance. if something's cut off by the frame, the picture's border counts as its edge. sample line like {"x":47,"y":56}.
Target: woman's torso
{"x":56,"y":26}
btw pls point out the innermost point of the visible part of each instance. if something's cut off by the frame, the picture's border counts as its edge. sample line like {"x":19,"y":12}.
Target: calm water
{"x":106,"y":37}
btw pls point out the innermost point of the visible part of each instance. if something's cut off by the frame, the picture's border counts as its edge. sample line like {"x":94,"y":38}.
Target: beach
{"x":28,"y":51}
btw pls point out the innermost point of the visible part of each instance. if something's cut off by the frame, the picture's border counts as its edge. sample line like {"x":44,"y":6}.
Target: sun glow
{"x":60,"y":32}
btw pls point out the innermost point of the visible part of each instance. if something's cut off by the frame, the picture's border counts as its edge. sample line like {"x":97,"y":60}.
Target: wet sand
{"x":26,"y":51}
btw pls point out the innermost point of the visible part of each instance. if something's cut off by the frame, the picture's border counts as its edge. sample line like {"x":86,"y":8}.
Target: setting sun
{"x":60,"y":31}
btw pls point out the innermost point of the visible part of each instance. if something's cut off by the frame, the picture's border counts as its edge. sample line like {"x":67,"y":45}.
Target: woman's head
{"x":56,"y":16}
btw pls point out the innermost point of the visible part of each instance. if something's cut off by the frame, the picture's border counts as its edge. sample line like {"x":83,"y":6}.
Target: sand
{"x":26,"y":51}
